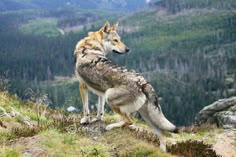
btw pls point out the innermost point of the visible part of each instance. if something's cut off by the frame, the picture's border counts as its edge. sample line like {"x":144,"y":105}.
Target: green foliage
{"x":41,"y":27}
{"x":187,"y":54}
{"x":140,"y":152}
{"x":69,"y":140}
{"x":62,"y":135}
{"x":94,"y":151}
{"x":9,"y":152}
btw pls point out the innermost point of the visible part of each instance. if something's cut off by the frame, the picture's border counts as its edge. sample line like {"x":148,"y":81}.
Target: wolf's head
{"x":102,"y":41}
{"x":111,"y":41}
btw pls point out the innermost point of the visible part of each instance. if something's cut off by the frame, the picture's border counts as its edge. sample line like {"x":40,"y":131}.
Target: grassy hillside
{"x":181,"y":34}
{"x":188,"y":55}
{"x":53,"y":23}
{"x":186,"y":49}
{"x":54,"y":133}
{"x":30,"y":128}
{"x":45,"y":27}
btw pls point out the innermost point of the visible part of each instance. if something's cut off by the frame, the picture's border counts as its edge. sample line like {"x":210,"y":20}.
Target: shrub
{"x":192,"y":149}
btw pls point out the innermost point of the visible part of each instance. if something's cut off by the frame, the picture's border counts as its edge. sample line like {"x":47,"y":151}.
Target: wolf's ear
{"x":105,"y":27}
{"x":114,"y":27}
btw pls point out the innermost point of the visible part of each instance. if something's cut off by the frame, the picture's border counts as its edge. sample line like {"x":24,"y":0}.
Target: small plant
{"x":69,"y":139}
{"x":192,"y":149}
{"x":146,"y":135}
{"x":9,"y":152}
{"x":41,"y":101}
{"x":197,"y":129}
{"x":93,"y":151}
{"x":140,"y":152}
{"x":24,"y":131}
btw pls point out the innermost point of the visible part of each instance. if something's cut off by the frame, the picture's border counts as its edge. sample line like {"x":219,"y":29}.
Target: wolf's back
{"x":154,"y":109}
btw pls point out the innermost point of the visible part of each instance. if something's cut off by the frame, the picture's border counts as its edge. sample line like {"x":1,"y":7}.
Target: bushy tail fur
{"x":159,"y":119}
{"x":155,"y":112}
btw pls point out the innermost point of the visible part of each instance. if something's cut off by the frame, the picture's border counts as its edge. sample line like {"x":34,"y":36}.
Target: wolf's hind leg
{"x":116,"y":98}
{"x":100,"y":109}
{"x":84,"y":96}
{"x":125,"y":122}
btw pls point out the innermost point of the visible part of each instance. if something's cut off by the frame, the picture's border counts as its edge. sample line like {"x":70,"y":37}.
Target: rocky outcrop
{"x":222,"y":113}
{"x":12,"y":112}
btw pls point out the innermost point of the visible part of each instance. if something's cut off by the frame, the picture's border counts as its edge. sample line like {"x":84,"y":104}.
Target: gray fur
{"x":101,"y":74}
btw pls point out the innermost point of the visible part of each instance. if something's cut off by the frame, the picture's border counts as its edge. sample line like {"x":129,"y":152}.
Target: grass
{"x":125,"y":143}
{"x":54,"y":138}
{"x":60,"y":144}
{"x":9,"y":152}
{"x":205,"y":133}
{"x":42,"y":27}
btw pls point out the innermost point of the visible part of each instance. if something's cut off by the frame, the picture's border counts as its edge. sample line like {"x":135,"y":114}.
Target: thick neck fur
{"x":91,"y":44}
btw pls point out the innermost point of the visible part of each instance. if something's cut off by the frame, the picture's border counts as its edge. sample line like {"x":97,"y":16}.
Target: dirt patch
{"x":226,"y":143}
{"x":30,"y":146}
{"x":11,"y":124}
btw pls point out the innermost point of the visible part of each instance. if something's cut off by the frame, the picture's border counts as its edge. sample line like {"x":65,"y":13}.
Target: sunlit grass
{"x":47,"y":27}
{"x":125,"y":143}
{"x":55,"y":140}
{"x":60,"y":144}
{"x":9,"y":152}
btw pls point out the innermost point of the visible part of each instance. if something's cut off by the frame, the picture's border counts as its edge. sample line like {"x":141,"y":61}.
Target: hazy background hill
{"x":186,"y":48}
{"x":128,"y":5}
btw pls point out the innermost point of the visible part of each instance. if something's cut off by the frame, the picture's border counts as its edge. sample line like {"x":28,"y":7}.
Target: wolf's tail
{"x":155,"y":112}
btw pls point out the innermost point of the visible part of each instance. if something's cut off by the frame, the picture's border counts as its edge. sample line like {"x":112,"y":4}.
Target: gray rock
{"x":222,"y":113}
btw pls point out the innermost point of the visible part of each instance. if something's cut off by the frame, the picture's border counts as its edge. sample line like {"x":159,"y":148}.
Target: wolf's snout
{"x":126,"y":49}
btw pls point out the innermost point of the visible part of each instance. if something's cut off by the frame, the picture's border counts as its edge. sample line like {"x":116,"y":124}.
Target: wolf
{"x":125,"y":91}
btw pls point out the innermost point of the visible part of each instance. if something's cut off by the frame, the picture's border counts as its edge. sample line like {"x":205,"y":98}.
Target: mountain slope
{"x":188,"y":56}
{"x":127,"y":5}
{"x":56,"y":133}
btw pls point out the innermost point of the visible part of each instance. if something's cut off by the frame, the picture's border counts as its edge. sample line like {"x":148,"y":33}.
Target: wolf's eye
{"x":115,"y":40}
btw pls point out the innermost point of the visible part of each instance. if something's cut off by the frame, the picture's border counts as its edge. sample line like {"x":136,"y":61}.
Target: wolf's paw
{"x":109,"y":127}
{"x":98,"y":118}
{"x":115,"y":125}
{"x":95,"y":120}
{"x":85,"y":120}
{"x":133,"y":127}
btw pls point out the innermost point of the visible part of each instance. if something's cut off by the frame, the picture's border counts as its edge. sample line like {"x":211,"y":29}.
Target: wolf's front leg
{"x":100,"y":109}
{"x":84,"y":95}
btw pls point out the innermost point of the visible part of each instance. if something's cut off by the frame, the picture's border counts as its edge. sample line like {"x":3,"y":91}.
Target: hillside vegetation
{"x":53,"y":133}
{"x":124,"y":5}
{"x":189,"y":56}
{"x":30,"y":128}
{"x":186,"y":49}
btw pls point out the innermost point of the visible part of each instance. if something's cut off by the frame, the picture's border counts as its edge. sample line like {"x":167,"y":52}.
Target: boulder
{"x":222,"y":113}
{"x":72,"y":109}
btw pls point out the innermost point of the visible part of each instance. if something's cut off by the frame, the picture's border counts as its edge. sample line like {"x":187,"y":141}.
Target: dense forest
{"x":186,"y":49}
